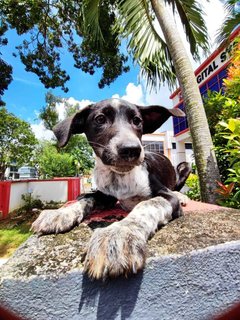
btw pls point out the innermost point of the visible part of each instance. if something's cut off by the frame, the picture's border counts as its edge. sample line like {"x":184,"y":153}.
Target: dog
{"x":145,"y":184}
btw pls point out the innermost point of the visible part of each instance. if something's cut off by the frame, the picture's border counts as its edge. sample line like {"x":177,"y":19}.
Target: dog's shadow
{"x":110,"y":298}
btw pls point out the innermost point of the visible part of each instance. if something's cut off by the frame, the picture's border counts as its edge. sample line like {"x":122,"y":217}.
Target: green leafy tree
{"x":48,"y":26}
{"x":222,"y":106}
{"x":78,"y":149}
{"x":48,"y":114}
{"x":5,"y":69}
{"x":17,"y":141}
{"x":82,"y":154}
{"x":230,"y":191}
{"x":51,"y":163}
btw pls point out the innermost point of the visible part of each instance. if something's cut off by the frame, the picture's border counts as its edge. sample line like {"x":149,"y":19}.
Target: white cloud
{"x":138,"y":95}
{"x":27,"y":82}
{"x":41,"y":133}
{"x":214,"y":18}
{"x":61,"y":106}
{"x":134,"y":94}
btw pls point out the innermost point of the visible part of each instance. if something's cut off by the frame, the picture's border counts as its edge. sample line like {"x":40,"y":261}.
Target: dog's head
{"x":114,"y":129}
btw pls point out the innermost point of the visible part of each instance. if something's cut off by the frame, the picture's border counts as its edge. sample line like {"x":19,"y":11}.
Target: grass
{"x":10,"y":239}
{"x":14,"y":230}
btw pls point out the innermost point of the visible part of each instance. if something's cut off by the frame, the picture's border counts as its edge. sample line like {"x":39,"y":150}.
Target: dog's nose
{"x":131,"y":151}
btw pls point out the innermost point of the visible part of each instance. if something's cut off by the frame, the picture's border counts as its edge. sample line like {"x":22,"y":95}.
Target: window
{"x":174,"y":145}
{"x":215,"y":83}
{"x":180,"y":124}
{"x":154,"y":146}
{"x":188,"y":146}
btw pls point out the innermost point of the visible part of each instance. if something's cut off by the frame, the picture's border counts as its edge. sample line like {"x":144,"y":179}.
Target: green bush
{"x":194,"y":190}
{"x":230,"y":190}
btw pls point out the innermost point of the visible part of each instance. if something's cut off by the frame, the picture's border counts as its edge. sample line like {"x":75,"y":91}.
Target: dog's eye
{"x":101,"y":119}
{"x":137,"y":121}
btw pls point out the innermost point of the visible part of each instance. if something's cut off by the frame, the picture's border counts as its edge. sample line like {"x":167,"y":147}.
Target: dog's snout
{"x":130,"y":151}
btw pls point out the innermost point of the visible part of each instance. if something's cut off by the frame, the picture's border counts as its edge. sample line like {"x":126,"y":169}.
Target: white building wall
{"x":177,"y":155}
{"x":43,"y":190}
{"x":49,"y":190}
{"x":17,"y":190}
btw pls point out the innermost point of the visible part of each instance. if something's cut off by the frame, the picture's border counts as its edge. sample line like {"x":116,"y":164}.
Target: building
{"x":11,"y":172}
{"x":210,"y":75}
{"x":165,"y":143}
{"x":27,"y":172}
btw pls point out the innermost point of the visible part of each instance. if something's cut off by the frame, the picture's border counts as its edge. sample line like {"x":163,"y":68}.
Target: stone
{"x":192,"y":272}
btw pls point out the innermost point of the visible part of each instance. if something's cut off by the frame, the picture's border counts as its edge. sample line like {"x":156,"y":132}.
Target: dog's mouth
{"x":122,"y":162}
{"x":122,"y":169}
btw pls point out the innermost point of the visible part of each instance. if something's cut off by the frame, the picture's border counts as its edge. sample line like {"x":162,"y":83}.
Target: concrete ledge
{"x":192,"y":272}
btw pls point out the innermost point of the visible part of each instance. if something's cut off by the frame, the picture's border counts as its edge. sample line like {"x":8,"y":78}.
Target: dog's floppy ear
{"x":155,"y":116}
{"x":71,"y":125}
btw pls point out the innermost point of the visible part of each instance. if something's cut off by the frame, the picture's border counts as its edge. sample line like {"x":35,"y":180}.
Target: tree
{"x":82,"y":154}
{"x":48,"y":114}
{"x":101,"y":24}
{"x":162,"y":59}
{"x":5,"y":69}
{"x":78,"y":152}
{"x":51,"y":163}
{"x":232,"y":8}
{"x":17,"y":141}
{"x":50,"y":25}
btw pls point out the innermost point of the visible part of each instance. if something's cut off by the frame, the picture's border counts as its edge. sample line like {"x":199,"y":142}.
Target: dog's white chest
{"x":129,"y":188}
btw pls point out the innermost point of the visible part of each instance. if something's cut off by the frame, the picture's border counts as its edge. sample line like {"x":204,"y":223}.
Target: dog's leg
{"x":120,"y":248}
{"x":65,"y":218}
{"x":182,"y":198}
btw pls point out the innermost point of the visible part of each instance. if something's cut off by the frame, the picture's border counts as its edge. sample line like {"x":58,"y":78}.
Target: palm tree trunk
{"x":202,"y":142}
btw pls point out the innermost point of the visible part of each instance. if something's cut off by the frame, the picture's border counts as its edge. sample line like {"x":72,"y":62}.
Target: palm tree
{"x":232,"y":20}
{"x":163,"y":58}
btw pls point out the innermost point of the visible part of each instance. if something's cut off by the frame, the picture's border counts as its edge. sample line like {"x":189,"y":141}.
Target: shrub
{"x":194,"y":189}
{"x":230,"y":190}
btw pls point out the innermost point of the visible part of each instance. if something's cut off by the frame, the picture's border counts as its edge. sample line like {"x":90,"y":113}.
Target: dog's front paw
{"x":54,"y":221}
{"x":115,"y":250}
{"x":182,"y":198}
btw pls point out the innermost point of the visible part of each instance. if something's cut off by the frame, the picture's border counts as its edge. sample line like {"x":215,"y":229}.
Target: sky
{"x":26,"y":95}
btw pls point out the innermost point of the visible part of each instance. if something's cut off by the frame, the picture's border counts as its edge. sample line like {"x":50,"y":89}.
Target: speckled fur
{"x":141,"y":182}
{"x":121,"y":247}
{"x":129,"y":188}
{"x":63,"y":219}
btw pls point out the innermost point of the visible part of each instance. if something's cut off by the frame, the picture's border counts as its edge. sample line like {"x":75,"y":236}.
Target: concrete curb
{"x":192,"y":273}
{"x":192,"y":286}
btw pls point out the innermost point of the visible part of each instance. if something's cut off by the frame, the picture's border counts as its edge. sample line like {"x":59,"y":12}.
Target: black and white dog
{"x":144,"y":183}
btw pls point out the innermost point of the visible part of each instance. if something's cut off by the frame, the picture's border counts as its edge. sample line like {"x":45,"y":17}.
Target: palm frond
{"x":230,"y":23}
{"x":91,"y":14}
{"x":145,"y":43}
{"x":191,"y":16}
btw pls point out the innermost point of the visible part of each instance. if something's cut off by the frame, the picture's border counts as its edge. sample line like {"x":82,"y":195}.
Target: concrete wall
{"x":195,"y":286}
{"x":50,"y":190}
{"x":16,"y":192}
{"x":59,"y":190}
{"x":43,"y":190}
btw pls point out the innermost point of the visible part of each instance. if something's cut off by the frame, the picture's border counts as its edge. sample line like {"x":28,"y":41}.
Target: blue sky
{"x":26,"y":95}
